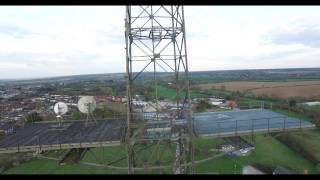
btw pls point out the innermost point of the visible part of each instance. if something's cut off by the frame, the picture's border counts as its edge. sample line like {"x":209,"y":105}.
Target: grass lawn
{"x":254,"y":102}
{"x":169,"y":93}
{"x":307,"y":140}
{"x":107,"y":155}
{"x":291,"y":114}
{"x":216,"y":92}
{"x":47,"y":166}
{"x":44,"y":166}
{"x":313,"y":137}
{"x":268,"y":151}
{"x":250,"y":101}
{"x":312,"y":108}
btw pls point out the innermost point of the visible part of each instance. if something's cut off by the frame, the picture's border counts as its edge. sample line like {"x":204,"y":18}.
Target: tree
{"x":203,"y":105}
{"x":76,"y":115}
{"x":104,"y":112}
{"x":292,"y":103}
{"x":33,"y":117}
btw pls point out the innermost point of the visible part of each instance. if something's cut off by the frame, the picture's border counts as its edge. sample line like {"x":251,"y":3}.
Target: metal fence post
{"x":59,"y":142}
{"x":218,"y":129}
{"x":39,"y":143}
{"x":268,"y":125}
{"x":300,"y":125}
{"x":284,"y":123}
{"x":252,"y":131}
{"x":80,"y":140}
{"x":252,"y":128}
{"x":236,"y":127}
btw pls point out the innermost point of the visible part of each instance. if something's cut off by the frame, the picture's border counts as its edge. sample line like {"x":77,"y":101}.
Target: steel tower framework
{"x":156,"y":43}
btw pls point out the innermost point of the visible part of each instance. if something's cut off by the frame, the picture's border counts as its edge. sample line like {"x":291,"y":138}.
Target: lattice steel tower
{"x":156,"y":44}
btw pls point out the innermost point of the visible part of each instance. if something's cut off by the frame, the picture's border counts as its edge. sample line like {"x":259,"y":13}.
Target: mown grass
{"x":96,"y":155}
{"x":268,"y":151}
{"x":45,"y":166}
{"x":216,"y":92}
{"x":306,"y":142}
{"x":169,"y":93}
{"x":311,"y":108}
{"x":250,"y":102}
{"x":292,"y":114}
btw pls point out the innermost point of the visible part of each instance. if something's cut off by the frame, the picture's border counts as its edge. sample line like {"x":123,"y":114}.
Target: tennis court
{"x":228,"y":123}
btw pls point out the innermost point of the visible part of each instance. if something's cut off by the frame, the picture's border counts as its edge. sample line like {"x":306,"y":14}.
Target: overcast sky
{"x":44,"y":41}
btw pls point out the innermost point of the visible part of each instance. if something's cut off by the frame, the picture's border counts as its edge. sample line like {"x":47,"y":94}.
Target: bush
{"x":318,"y":167}
{"x":203,"y":105}
{"x":299,"y":145}
{"x":292,"y":103}
{"x":76,"y":115}
{"x":315,"y":118}
{"x":264,"y":168}
{"x":103,"y":113}
{"x":33,"y":117}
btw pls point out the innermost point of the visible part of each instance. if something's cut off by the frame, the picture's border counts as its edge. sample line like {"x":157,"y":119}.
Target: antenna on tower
{"x":87,"y":105}
{"x":60,"y":108}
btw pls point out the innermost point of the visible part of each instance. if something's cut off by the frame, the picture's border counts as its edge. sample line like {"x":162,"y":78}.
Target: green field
{"x":216,"y":92}
{"x":312,"y":108}
{"x":268,"y":151}
{"x":306,"y":142}
{"x":48,"y":166}
{"x":44,"y":166}
{"x":292,"y":114}
{"x":250,"y":102}
{"x":169,"y":93}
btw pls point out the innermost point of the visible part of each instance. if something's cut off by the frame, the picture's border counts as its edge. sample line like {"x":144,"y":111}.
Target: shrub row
{"x":298,"y":144}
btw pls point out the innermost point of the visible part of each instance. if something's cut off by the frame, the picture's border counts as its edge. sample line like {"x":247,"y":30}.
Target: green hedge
{"x":267,"y":169}
{"x":297,"y":144}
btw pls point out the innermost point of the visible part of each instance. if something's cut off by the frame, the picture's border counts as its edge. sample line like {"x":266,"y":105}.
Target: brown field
{"x":302,"y":89}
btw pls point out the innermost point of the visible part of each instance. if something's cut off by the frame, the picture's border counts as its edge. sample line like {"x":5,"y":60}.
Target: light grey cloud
{"x":32,"y":65}
{"x":282,"y":54}
{"x":92,"y":39}
{"x":103,"y":37}
{"x":15,"y":31}
{"x":303,"y":32}
{"x":273,"y":55}
{"x":195,"y":35}
{"x":20,"y":32}
{"x":48,"y":59}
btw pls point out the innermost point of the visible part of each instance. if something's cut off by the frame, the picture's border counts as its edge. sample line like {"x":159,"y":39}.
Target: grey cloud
{"x":34,"y":59}
{"x":27,"y":65}
{"x":105,"y":37}
{"x":20,"y":32}
{"x":276,"y":55}
{"x":196,"y":35}
{"x":307,"y":34}
{"x":283,"y":54}
{"x":15,"y":31}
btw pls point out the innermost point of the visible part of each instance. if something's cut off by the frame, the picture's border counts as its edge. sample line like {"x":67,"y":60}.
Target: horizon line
{"x":61,"y":76}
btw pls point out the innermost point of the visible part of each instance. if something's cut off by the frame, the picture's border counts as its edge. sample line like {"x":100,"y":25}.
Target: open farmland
{"x":303,"y":89}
